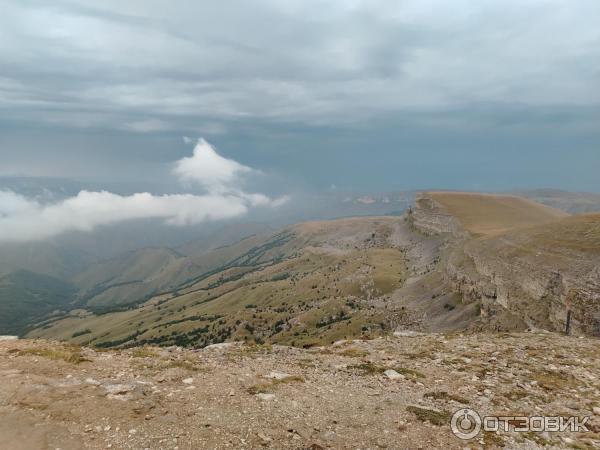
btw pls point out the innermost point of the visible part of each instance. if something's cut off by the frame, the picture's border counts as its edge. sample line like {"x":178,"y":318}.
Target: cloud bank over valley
{"x":25,"y":219}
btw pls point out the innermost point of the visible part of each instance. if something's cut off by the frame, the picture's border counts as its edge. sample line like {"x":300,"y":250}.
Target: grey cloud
{"x":149,"y":67}
{"x":361,"y":94}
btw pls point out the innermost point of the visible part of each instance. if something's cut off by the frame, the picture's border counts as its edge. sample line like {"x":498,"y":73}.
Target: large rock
{"x":278,"y":375}
{"x":393,"y":375}
{"x":122,"y":391}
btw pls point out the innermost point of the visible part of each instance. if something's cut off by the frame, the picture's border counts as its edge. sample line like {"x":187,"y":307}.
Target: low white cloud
{"x":12,"y":204}
{"x":27,"y":219}
{"x":209,"y":169}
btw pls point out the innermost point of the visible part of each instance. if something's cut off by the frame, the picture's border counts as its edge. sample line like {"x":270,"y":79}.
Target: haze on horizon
{"x":296,"y":96}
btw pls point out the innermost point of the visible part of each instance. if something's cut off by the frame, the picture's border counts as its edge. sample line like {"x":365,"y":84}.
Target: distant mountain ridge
{"x":315,"y":282}
{"x":571,"y":202}
{"x":240,"y":251}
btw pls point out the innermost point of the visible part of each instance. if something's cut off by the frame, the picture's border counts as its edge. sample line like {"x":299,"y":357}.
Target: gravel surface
{"x":395,"y":392}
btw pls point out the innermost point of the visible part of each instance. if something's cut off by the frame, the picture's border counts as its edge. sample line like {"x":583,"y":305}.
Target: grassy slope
{"x":26,"y":295}
{"x":574,"y":239}
{"x":487,"y":214}
{"x":139,"y":275}
{"x":577,"y":233}
{"x":311,"y":283}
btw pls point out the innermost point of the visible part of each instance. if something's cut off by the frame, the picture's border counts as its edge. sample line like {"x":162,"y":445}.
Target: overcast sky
{"x":361,"y":95}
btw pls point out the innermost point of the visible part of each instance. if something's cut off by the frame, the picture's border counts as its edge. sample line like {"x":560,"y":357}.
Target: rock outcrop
{"x":527,"y":277}
{"x":533,"y":280}
{"x":431,"y":218}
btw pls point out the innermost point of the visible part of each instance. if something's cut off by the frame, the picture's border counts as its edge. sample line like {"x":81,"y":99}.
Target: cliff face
{"x":525,"y":277}
{"x":541,"y":273}
{"x":431,"y":218}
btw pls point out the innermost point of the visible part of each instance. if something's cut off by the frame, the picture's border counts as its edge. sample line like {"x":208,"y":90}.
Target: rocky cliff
{"x":431,"y":218}
{"x":527,"y":277}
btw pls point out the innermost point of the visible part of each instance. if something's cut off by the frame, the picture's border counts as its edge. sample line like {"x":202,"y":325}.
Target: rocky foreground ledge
{"x":396,"y":392}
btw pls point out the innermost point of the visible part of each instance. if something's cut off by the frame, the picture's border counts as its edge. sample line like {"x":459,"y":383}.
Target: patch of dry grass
{"x":353,"y":352}
{"x":492,"y":440}
{"x":581,"y":445}
{"x":306,"y":363}
{"x":443,"y":395}
{"x":260,"y":388}
{"x":552,"y":381}
{"x":438,"y":418}
{"x":412,"y":373}
{"x":71,"y":354}
{"x":538,"y":439}
{"x":256,"y":348}
{"x":370,"y":368}
{"x":264,"y":387}
{"x":185,"y":364}
{"x":515,"y":395}
{"x":144,"y":352}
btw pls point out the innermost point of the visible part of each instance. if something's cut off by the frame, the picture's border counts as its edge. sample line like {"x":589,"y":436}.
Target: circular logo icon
{"x":466,"y":423}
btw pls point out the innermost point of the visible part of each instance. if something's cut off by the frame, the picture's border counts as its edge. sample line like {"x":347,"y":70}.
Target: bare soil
{"x":260,"y":397}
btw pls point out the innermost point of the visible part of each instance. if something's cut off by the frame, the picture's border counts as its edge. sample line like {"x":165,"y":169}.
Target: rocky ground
{"x":395,"y":392}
